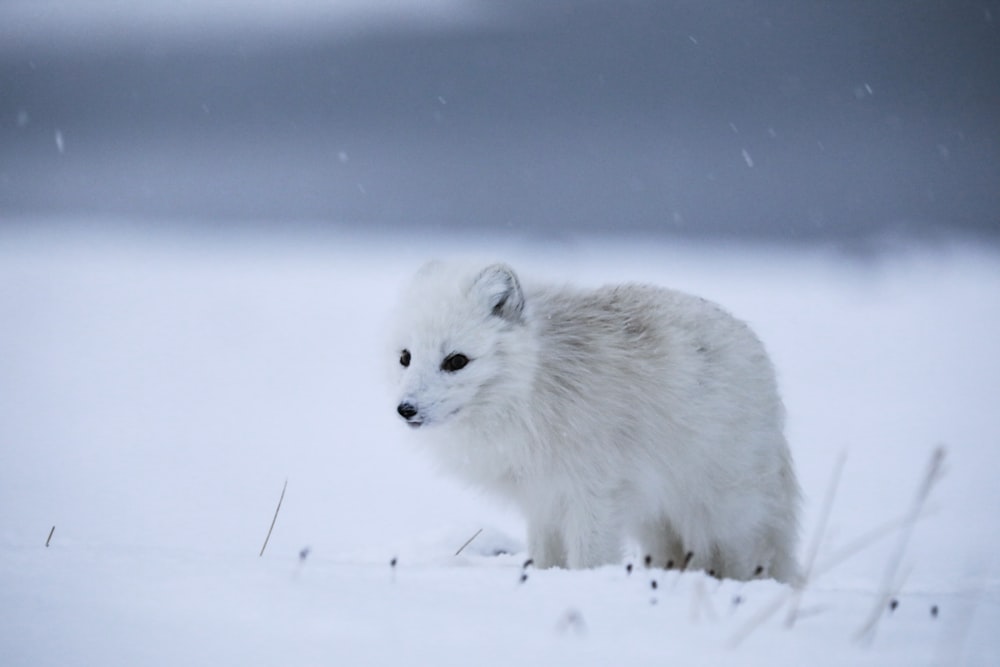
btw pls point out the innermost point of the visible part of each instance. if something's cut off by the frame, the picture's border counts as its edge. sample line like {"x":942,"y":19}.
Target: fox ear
{"x":499,"y":289}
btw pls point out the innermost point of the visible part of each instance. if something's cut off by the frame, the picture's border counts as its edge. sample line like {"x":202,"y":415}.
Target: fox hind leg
{"x":661,"y":544}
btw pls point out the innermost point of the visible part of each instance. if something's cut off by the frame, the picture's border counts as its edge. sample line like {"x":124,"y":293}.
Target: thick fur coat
{"x":624,"y":412}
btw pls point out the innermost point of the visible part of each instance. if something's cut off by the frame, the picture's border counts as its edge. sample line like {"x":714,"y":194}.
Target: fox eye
{"x":404,"y":358}
{"x":454,"y":362}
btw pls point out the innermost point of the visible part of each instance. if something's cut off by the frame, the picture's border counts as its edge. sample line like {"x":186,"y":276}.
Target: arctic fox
{"x":622,"y":412}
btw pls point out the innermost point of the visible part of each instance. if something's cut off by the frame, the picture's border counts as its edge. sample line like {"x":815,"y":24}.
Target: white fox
{"x":622,"y":412}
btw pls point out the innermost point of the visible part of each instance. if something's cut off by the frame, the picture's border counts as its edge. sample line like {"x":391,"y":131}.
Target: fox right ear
{"x":500,"y":290}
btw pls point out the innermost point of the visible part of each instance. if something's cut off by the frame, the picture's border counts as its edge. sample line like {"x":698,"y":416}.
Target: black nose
{"x":406,"y":410}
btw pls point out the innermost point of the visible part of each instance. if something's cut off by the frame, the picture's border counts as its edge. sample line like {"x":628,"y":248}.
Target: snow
{"x":157,"y":389}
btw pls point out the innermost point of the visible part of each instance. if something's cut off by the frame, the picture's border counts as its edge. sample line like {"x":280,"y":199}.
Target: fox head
{"x":456,"y":335}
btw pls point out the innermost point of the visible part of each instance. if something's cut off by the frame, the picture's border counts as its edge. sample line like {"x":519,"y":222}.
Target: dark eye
{"x":454,"y":362}
{"x":404,"y":358}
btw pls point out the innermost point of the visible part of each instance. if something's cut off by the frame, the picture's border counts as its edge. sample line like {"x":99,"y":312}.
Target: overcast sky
{"x":791,"y":121}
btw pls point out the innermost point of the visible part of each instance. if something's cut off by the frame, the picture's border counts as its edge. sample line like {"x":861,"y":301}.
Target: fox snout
{"x":409,"y":412}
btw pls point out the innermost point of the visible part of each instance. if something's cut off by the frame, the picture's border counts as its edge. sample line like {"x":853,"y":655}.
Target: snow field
{"x":157,"y":390}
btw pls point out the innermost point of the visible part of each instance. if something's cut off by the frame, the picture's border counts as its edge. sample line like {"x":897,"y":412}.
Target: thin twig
{"x":758,"y":619}
{"x":861,"y":543}
{"x":794,"y":595}
{"x":701,"y":602}
{"x":468,"y":542}
{"x":857,"y":545}
{"x":276,"y":510}
{"x":50,"y":537}
{"x":817,"y":540}
{"x":877,"y":534}
{"x":867,"y":631}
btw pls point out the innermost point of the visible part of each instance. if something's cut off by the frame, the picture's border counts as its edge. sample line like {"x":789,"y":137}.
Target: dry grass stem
{"x":861,"y":543}
{"x":810,"y":561}
{"x":468,"y":542}
{"x":276,"y":510}
{"x":890,"y":581}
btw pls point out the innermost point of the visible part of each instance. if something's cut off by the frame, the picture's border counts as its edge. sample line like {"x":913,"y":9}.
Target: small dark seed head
{"x":653,"y":584}
{"x":759,"y":571}
{"x":711,"y":573}
{"x":737,"y":600}
{"x":524,"y":577}
{"x":934,"y":611}
{"x":304,"y":553}
{"x":687,"y":558}
{"x":670,"y":564}
{"x":628,"y":568}
{"x":648,"y":560}
{"x":528,"y":563}
{"x":893,"y":603}
{"x":392,"y":563}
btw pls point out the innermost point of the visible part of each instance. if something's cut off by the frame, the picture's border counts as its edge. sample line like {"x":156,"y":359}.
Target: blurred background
{"x":795,"y":122}
{"x":207,"y":208}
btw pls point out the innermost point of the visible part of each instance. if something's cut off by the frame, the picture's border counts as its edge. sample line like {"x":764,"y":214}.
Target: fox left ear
{"x":499,"y":288}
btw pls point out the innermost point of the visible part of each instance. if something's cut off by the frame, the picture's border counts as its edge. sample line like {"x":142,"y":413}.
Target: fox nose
{"x":406,"y":410}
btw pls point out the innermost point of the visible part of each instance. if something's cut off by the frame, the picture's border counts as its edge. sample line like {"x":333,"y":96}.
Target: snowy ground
{"x":156,"y":391}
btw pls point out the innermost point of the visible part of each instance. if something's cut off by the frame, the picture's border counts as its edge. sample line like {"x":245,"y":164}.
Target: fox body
{"x":624,"y":412}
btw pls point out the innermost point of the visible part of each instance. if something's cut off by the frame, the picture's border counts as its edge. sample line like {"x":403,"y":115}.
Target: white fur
{"x":623,"y":412}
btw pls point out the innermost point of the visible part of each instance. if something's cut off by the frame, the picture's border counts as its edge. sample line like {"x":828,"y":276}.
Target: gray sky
{"x":752,"y":119}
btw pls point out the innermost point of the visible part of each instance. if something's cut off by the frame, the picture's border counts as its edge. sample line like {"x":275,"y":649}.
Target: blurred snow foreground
{"x":157,"y":391}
